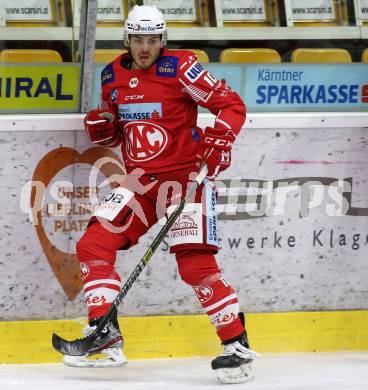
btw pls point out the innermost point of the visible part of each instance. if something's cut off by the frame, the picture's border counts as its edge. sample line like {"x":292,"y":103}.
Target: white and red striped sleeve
{"x":212,"y":94}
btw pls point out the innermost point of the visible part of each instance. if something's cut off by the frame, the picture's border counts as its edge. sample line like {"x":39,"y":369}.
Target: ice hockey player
{"x":149,"y":101}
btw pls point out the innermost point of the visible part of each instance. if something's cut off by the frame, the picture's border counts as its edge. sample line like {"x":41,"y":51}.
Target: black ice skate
{"x":109,"y":344}
{"x":234,"y":365}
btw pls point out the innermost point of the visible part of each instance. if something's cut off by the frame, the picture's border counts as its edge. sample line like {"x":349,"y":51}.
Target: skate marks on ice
{"x":318,"y":371}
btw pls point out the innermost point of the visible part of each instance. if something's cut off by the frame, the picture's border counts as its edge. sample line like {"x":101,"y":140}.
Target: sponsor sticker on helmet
{"x":144,"y":29}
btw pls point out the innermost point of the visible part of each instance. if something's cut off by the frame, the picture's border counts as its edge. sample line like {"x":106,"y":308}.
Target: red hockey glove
{"x":215,"y":150}
{"x":100,"y":127}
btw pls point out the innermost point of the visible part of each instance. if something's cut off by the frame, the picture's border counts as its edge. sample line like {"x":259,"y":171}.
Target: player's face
{"x":144,"y":49}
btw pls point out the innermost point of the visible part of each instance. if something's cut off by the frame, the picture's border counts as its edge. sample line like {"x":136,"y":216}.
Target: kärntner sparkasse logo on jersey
{"x":137,"y":111}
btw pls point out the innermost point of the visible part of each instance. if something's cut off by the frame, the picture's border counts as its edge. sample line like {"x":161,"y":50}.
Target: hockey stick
{"x":80,"y":347}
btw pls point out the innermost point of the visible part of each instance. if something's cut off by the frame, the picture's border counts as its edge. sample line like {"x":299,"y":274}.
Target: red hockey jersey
{"x":157,"y":109}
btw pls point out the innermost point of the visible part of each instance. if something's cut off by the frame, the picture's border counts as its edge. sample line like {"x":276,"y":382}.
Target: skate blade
{"x":111,"y":357}
{"x":240,"y":374}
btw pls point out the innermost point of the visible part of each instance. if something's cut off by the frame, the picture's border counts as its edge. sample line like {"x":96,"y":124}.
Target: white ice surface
{"x":318,"y":371}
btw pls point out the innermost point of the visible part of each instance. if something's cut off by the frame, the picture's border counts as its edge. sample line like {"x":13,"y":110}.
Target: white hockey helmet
{"x":145,"y":19}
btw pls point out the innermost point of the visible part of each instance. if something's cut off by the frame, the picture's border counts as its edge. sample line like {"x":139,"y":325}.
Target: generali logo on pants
{"x":60,"y":205}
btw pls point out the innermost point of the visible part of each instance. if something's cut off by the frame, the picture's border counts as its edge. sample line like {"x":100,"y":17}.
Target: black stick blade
{"x":78,"y":347}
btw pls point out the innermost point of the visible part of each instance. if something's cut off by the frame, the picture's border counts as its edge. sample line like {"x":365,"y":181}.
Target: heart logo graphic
{"x":66,"y":265}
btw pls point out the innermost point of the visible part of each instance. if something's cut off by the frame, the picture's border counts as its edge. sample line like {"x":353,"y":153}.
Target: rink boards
{"x":188,"y":336}
{"x":293,"y":224}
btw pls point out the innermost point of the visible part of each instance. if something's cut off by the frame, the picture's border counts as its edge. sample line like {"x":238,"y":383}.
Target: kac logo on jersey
{"x":166,"y":66}
{"x":107,"y":75}
{"x":137,"y":111}
{"x":144,"y":140}
{"x":204,"y":294}
{"x":194,"y":72}
{"x":84,"y":270}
